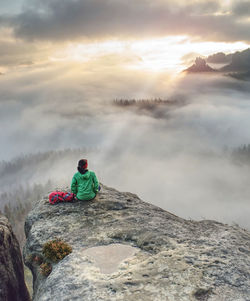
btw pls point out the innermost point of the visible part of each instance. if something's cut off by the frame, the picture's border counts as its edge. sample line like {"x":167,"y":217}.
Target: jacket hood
{"x":86,"y":175}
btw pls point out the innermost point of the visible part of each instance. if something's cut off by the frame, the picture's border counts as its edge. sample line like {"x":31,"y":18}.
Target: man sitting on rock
{"x":84,"y":183}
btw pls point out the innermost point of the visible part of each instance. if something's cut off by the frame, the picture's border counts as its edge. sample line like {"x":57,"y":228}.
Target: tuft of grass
{"x":56,"y":249}
{"x":46,"y":268}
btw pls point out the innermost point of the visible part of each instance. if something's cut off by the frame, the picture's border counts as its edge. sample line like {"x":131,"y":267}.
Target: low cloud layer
{"x":177,"y":161}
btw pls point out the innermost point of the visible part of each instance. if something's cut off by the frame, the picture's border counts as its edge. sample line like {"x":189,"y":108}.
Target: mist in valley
{"x":179,"y":156}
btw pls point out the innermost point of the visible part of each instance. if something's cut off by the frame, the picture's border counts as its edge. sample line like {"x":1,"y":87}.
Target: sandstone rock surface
{"x":12,"y":285}
{"x":151,"y":254}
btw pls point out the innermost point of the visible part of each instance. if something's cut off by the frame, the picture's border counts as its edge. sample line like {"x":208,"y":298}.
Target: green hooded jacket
{"x":85,"y":186}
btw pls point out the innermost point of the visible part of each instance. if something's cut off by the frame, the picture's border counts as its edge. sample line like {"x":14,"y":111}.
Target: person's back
{"x":84,"y":183}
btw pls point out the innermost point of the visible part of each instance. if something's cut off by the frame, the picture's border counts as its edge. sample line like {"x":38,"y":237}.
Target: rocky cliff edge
{"x":127,"y":249}
{"x":12,"y":285}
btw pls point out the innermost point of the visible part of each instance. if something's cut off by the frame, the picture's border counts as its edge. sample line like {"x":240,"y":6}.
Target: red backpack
{"x":59,"y":196}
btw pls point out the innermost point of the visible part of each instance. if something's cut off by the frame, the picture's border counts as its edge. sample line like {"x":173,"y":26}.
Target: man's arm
{"x":74,"y":185}
{"x":96,"y":183}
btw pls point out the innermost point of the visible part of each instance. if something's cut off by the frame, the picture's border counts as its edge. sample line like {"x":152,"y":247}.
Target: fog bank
{"x":171,"y":155}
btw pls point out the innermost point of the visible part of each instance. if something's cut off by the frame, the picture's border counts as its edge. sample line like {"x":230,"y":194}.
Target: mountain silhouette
{"x":199,"y":65}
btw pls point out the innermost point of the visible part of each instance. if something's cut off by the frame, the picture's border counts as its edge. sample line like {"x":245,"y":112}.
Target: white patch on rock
{"x":108,"y":258}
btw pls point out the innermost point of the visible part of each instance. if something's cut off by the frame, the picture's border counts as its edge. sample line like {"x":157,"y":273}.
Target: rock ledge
{"x":173,"y":259}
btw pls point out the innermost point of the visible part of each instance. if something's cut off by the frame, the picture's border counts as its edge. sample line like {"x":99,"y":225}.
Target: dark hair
{"x":82,"y":166}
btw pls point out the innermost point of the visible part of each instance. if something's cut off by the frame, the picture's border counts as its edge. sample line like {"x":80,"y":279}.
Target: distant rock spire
{"x":200,"y":65}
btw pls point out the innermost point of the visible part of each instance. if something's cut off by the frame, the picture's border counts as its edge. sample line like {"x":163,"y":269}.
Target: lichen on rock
{"x":172,"y":259}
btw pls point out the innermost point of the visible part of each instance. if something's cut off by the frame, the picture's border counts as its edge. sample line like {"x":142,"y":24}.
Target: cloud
{"x":220,"y":58}
{"x":16,"y":52}
{"x":19,"y":53}
{"x":241,"y":8}
{"x":61,"y":20}
{"x":240,"y":61}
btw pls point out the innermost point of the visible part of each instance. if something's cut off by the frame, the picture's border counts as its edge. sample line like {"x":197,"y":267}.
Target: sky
{"x":142,"y":34}
{"x":63,"y":62}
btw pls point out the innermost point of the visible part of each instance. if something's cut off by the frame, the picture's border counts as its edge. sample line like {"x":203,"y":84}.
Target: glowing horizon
{"x":35,"y":32}
{"x":156,"y":55}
